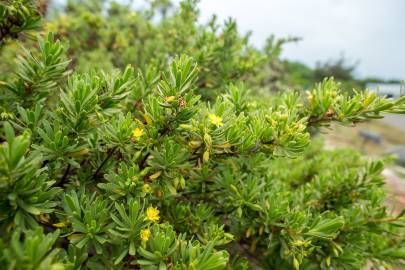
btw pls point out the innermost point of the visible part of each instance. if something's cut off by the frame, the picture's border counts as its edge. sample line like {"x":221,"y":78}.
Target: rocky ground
{"x":395,"y":187}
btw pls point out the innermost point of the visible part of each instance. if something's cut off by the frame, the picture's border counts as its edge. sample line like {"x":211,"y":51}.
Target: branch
{"x":63,"y":180}
{"x":110,"y":152}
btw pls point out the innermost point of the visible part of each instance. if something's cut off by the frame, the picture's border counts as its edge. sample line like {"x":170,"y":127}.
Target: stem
{"x":164,"y":132}
{"x":110,"y":152}
{"x":143,"y":161}
{"x":63,"y":180}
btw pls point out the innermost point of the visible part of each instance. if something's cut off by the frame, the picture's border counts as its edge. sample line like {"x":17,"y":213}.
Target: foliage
{"x":17,"y":17}
{"x":174,"y":164}
{"x":151,"y":36}
{"x":304,"y":76}
{"x":339,"y":69}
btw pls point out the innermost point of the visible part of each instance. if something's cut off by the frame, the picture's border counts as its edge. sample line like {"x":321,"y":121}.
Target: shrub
{"x":17,"y":17}
{"x":134,"y":169}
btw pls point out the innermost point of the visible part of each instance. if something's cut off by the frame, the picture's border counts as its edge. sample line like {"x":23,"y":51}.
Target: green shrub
{"x":133,"y":169}
{"x":17,"y":17}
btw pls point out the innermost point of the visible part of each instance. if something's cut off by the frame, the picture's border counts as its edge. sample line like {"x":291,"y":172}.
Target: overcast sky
{"x":369,"y":31}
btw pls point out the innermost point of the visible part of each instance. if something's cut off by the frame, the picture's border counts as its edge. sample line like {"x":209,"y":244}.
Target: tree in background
{"x":338,"y":69}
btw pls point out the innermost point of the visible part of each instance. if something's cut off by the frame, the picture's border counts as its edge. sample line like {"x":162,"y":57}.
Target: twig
{"x":63,"y":180}
{"x":164,"y":132}
{"x":110,"y":152}
{"x":143,"y":161}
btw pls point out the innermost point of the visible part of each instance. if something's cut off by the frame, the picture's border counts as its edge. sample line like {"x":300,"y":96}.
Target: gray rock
{"x":399,"y":152}
{"x":369,"y":136}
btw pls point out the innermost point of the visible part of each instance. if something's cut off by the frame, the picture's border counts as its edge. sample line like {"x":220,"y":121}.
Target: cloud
{"x":370,"y":31}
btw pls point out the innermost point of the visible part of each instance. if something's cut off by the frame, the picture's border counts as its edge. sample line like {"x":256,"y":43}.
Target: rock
{"x":371,"y":136}
{"x":399,"y":152}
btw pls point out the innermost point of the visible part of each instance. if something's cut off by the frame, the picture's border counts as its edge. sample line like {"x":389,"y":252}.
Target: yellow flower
{"x":146,"y":188}
{"x":152,"y":214}
{"x":137,"y":133}
{"x":145,"y":234}
{"x":215,"y":120}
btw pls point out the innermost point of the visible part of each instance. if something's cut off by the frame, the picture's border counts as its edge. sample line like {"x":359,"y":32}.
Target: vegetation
{"x":144,"y":140}
{"x":17,"y":17}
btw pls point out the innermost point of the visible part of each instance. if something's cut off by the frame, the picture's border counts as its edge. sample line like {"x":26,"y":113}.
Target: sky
{"x":370,"y":32}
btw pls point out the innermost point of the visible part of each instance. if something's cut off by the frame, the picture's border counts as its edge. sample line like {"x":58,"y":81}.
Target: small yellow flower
{"x":137,"y":133}
{"x":145,"y":234}
{"x":152,"y":214}
{"x":146,"y":188}
{"x":215,"y":120}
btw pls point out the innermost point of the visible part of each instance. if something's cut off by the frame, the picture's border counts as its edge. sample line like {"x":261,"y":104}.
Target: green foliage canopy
{"x":150,"y":167}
